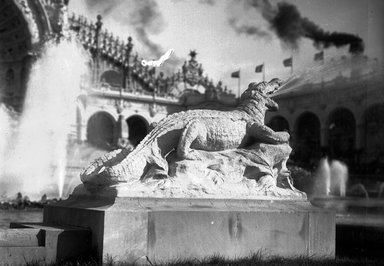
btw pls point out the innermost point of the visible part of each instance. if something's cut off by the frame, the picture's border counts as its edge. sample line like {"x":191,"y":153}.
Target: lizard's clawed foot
{"x":102,"y":178}
{"x":267,"y":182}
{"x":283,"y":137}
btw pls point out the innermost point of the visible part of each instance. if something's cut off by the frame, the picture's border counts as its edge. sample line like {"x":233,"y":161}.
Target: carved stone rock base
{"x":159,"y":231}
{"x":257,"y":173}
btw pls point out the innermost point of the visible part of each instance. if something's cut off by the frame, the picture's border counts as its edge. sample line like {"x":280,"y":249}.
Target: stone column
{"x":121,"y":131}
{"x":81,"y":132}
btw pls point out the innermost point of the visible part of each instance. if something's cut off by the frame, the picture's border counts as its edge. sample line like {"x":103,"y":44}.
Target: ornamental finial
{"x":192,"y":54}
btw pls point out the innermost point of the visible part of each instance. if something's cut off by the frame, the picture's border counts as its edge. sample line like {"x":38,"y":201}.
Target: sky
{"x":229,"y":35}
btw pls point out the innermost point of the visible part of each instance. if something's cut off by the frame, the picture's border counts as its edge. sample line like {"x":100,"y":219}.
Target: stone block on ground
{"x":20,"y":238}
{"x":42,"y":243}
{"x":164,"y":230}
{"x":12,"y":256}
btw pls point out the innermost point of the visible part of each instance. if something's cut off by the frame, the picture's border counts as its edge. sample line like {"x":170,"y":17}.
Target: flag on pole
{"x":259,"y":68}
{"x":287,"y":62}
{"x":319,"y":56}
{"x":235,"y":74}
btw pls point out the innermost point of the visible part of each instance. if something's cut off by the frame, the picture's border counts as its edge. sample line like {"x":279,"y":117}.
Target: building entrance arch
{"x":307,"y":142}
{"x":137,"y":128}
{"x":100,"y":130}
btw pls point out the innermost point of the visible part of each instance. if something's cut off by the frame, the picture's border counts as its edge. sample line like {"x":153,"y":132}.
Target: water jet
{"x":36,"y":148}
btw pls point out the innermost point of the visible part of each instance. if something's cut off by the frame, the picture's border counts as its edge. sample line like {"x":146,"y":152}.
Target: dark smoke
{"x":337,"y":39}
{"x":143,"y":15}
{"x":147,"y":18}
{"x":290,"y":27}
{"x":286,"y":21}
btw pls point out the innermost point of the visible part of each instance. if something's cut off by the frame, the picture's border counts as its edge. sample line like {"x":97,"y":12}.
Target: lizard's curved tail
{"x":123,"y":165}
{"x":103,"y":170}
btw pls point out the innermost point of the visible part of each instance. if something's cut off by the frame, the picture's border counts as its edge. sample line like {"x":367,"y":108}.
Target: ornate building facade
{"x":337,"y":113}
{"x":121,"y":97}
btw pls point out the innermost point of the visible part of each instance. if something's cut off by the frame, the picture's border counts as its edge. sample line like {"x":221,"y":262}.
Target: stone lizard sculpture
{"x":186,"y":132}
{"x":216,"y":131}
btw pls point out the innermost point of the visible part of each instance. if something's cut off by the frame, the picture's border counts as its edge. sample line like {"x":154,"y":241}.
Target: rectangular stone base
{"x":163,"y":230}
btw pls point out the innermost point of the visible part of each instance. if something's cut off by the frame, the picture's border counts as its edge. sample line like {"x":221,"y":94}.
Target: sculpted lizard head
{"x":261,"y":93}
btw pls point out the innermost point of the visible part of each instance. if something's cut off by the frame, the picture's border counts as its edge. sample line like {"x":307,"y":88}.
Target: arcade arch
{"x":341,"y":131}
{"x":279,"y":123}
{"x":22,"y":27}
{"x":138,"y":128}
{"x":100,"y":130}
{"x":307,"y":142}
{"x":374,"y":133}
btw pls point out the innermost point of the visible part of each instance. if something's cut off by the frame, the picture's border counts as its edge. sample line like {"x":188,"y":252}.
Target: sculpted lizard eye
{"x":272,"y":86}
{"x":277,"y":81}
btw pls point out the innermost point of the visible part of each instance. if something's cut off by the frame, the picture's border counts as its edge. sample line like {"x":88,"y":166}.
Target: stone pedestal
{"x":162,"y":230}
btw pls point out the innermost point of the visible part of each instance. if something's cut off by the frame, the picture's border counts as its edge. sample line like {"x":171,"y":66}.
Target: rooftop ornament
{"x":192,"y":70}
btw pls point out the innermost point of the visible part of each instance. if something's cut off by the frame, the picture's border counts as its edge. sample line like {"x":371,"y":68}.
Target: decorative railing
{"x":103,"y":44}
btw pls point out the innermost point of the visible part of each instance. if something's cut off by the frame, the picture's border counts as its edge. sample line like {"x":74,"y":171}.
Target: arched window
{"x":111,"y":78}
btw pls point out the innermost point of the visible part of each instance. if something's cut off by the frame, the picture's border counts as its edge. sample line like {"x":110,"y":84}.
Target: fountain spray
{"x":339,"y":173}
{"x":38,"y":158}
